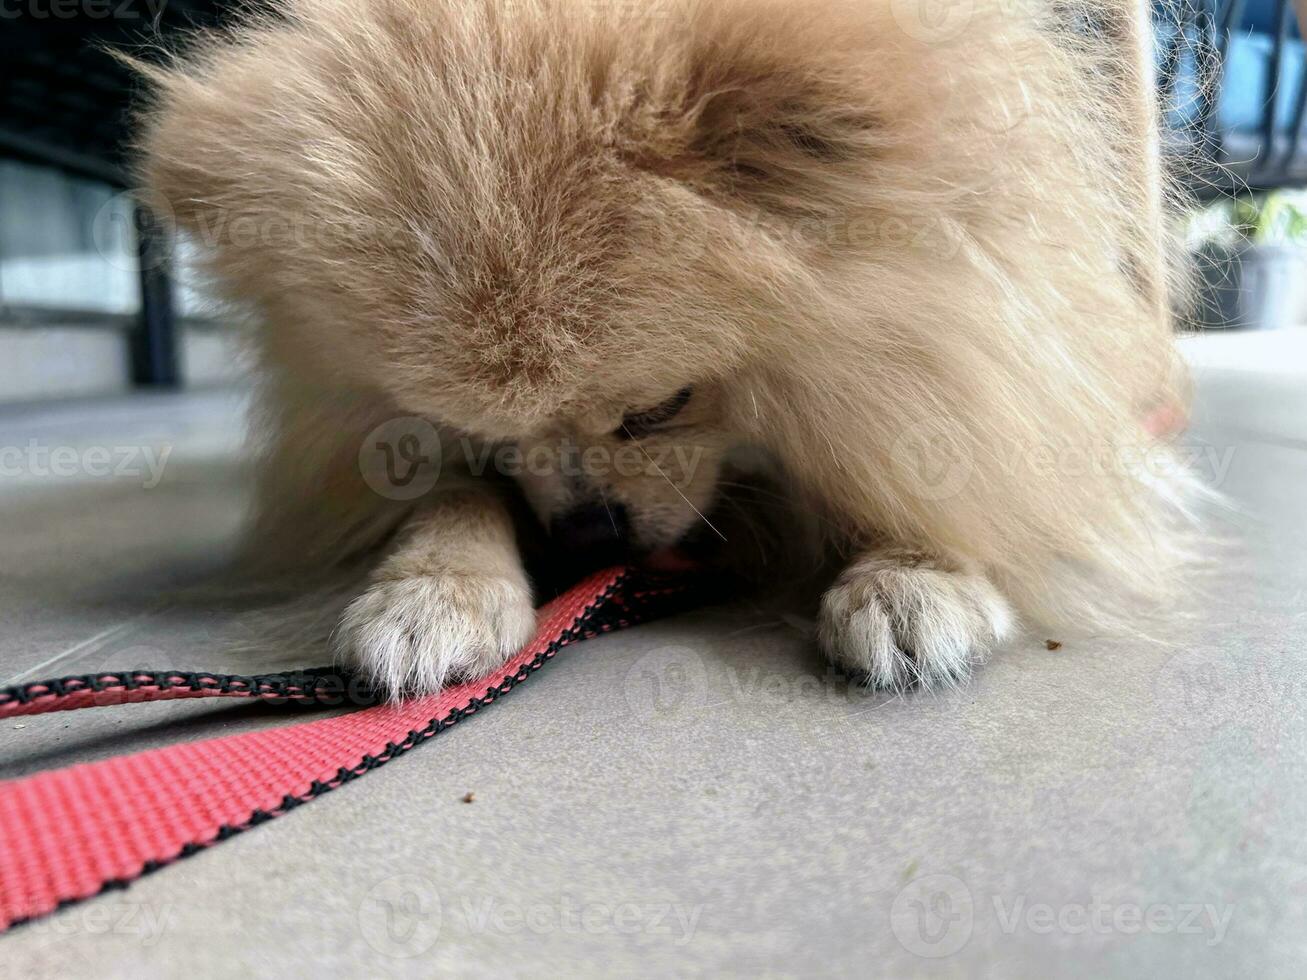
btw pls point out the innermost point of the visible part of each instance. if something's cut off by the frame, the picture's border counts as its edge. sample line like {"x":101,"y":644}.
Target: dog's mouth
{"x":571,"y":557}
{"x":674,"y":560}
{"x":671,"y":560}
{"x":589,"y":539}
{"x":598,"y":535}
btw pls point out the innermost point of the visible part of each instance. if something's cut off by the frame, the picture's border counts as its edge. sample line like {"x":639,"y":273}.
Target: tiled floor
{"x":1115,"y":808}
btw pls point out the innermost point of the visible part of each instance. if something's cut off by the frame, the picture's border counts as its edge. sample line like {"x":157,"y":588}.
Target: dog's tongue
{"x":670,"y":561}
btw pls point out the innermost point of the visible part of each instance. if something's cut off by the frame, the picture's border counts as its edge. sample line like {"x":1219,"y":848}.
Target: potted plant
{"x":1251,"y":258}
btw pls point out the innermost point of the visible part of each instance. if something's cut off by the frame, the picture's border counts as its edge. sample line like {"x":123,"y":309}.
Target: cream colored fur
{"x":904,"y":267}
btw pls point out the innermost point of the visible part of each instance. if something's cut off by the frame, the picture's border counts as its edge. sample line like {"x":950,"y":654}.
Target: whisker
{"x":749,"y":488}
{"x":748,"y":521}
{"x":609,"y":511}
{"x":689,"y":503}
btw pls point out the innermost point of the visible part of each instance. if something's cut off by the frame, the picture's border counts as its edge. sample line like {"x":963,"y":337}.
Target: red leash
{"x":67,"y":835}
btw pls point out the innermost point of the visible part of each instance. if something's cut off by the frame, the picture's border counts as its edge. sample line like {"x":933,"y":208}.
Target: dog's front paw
{"x":415,"y":635}
{"x":898,"y":619}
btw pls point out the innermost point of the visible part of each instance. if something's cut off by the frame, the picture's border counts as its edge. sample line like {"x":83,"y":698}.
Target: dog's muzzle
{"x":592,"y":535}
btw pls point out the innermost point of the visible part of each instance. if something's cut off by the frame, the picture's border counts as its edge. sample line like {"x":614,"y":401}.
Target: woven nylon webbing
{"x":66,"y":835}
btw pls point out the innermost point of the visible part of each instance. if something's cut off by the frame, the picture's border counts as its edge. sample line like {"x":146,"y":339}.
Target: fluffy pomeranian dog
{"x":890,"y":286}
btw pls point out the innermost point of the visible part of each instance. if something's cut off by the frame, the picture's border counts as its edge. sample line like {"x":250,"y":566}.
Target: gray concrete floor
{"x":699,"y":796}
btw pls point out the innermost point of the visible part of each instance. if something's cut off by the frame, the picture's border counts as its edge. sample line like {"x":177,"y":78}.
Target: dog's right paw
{"x":413,"y":636}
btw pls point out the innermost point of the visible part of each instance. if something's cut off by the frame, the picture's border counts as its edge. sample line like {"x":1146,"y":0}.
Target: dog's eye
{"x":636,"y":425}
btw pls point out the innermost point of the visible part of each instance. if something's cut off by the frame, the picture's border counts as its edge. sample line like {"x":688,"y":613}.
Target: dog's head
{"x":548,"y":225}
{"x":629,"y":237}
{"x":627,"y":475}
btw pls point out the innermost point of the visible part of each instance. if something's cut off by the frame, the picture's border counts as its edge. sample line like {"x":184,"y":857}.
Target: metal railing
{"x":65,"y":103}
{"x":1232,"y":80}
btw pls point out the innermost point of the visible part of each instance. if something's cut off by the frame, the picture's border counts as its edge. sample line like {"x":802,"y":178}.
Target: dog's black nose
{"x":593,"y":534}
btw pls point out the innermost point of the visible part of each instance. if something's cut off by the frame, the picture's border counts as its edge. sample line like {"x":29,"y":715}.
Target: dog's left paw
{"x":899,"y":619}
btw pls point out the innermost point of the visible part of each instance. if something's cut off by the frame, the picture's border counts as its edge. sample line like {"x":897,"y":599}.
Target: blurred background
{"x":79,"y":315}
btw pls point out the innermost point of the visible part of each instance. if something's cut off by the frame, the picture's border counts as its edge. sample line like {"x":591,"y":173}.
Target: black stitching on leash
{"x":608,"y":611}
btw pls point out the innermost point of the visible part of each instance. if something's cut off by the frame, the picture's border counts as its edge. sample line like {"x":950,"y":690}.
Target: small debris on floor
{"x":1053,"y":644}
{"x":470,"y":798}
{"x":16,"y":727}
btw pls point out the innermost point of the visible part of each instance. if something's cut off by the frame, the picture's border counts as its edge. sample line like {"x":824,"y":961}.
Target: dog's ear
{"x":184,"y":164}
{"x":219,"y":146}
{"x":775,"y":106}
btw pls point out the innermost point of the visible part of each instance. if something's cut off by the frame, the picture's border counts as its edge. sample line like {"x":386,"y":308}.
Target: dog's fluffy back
{"x":917,"y":266}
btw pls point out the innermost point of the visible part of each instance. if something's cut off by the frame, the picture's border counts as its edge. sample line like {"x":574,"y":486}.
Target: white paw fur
{"x":414,"y":635}
{"x":899,"y":620}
